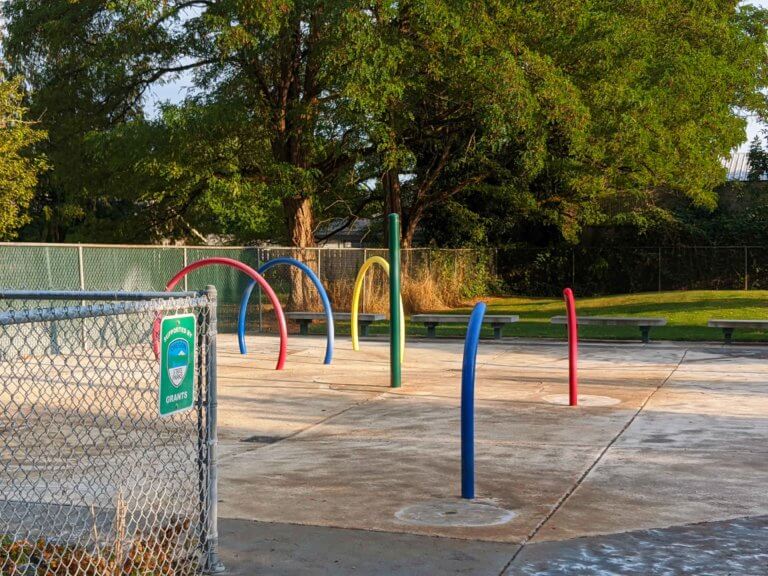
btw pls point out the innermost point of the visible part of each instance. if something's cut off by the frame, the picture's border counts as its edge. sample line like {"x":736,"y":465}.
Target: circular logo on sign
{"x":178,"y":361}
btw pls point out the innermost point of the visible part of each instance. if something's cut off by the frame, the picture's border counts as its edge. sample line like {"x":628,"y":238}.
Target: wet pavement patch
{"x":732,"y":547}
{"x":262,"y":439}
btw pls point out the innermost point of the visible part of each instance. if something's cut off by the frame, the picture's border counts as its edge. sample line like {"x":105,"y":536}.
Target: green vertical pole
{"x":394,"y":302}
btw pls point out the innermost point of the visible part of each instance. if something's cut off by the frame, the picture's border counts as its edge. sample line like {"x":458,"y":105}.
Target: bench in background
{"x":432,"y":320}
{"x":304,"y":319}
{"x":729,"y":326}
{"x":645,"y":324}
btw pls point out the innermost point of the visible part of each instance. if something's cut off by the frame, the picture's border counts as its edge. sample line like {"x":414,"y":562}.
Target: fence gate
{"x":93,"y":480}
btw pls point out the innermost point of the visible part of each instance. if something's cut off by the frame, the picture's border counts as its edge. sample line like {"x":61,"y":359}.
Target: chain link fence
{"x":94,"y":481}
{"x":593,"y":271}
{"x":432,"y":278}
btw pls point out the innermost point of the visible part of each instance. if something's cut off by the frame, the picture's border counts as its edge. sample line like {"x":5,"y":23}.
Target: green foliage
{"x":543,"y":118}
{"x":738,"y":220}
{"x":462,"y":274}
{"x":184,"y":169}
{"x":86,"y":64}
{"x":268,"y":97}
{"x":18,"y":171}
{"x":661,"y":81}
{"x":468,"y":102}
{"x":758,"y":160}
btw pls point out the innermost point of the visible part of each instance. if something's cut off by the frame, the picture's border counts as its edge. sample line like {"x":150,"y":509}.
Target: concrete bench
{"x":432,"y":320}
{"x":306,"y":318}
{"x":729,"y":326}
{"x":645,"y":324}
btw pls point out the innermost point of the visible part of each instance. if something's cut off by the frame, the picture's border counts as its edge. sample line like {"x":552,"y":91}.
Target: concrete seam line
{"x":592,"y":466}
{"x":307,"y":429}
{"x":496,"y":356}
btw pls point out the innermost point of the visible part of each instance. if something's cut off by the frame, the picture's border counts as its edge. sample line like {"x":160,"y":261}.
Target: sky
{"x":173,"y":92}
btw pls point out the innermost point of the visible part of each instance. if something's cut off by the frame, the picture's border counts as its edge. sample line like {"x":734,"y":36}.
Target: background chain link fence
{"x":94,"y":482}
{"x":603,"y":270}
{"x":432,"y":278}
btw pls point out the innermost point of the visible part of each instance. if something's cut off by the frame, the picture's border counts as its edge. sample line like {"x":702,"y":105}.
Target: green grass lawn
{"x":686,"y":313}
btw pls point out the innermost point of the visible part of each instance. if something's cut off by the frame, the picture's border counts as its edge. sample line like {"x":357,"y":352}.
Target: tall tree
{"x":665,"y":84}
{"x":663,"y":80}
{"x":271,"y":66}
{"x":87,"y":66}
{"x":667,"y":88}
{"x":458,"y":99}
{"x":19,"y":167}
{"x":574,"y":112}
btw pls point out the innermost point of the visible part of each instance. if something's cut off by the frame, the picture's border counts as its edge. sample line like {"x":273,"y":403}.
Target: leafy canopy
{"x":665,"y":84}
{"x":18,"y":171}
{"x":564,"y":114}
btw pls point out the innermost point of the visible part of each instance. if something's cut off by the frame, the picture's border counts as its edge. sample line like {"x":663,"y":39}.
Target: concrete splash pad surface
{"x":683,"y":444}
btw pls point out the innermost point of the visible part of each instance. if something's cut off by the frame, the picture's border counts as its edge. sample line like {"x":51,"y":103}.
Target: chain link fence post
{"x":186,"y":263}
{"x":746,"y":268}
{"x":260,"y":259}
{"x":365,"y":280}
{"x":658,"y":283}
{"x":80,"y":267}
{"x":81,"y":276}
{"x":213,"y":563}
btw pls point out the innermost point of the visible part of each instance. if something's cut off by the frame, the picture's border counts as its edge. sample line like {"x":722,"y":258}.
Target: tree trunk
{"x":390,"y":183}
{"x":298,"y":213}
{"x":410,"y":227}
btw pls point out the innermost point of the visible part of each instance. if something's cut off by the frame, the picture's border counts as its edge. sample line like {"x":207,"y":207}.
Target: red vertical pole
{"x":573,"y":347}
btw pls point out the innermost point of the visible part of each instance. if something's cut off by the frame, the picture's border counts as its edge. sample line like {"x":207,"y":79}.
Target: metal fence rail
{"x":93,"y":481}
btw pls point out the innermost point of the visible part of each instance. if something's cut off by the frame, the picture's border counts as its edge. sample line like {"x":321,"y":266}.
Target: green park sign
{"x":177,"y":363}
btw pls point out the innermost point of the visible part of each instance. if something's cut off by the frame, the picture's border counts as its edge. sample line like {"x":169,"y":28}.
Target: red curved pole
{"x":573,"y":347}
{"x":247,"y":270}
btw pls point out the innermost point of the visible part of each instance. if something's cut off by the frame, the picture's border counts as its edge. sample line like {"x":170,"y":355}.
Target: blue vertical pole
{"x":468,"y":402}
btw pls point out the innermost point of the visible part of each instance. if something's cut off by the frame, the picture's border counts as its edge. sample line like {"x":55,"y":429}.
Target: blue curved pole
{"x":468,"y":402}
{"x":320,"y":288}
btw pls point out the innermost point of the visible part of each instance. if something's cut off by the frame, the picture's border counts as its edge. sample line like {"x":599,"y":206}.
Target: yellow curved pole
{"x":356,"y":301}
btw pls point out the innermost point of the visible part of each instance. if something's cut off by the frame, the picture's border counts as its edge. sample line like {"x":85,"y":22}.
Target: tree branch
{"x":432,"y":199}
{"x":140,"y":84}
{"x":351,"y":219}
{"x":178,"y":8}
{"x":434,"y":171}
